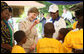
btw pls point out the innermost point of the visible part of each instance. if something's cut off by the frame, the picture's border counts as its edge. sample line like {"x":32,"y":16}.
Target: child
{"x":48,"y":44}
{"x":62,"y":33}
{"x":80,"y":26}
{"x":20,"y":37}
{"x":74,"y":39}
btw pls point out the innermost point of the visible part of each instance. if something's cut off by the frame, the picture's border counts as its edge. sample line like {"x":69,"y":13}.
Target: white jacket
{"x":24,"y":25}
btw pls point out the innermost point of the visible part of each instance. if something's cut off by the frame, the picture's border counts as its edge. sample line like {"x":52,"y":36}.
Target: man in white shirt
{"x":56,"y":19}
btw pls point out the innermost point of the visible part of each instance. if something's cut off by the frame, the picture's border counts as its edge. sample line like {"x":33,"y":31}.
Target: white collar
{"x":77,"y":29}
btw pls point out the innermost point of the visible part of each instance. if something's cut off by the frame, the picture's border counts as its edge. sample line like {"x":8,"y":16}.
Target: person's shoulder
{"x":72,"y":32}
{"x":40,"y":40}
{"x":43,"y":39}
{"x":56,"y":41}
{"x":22,"y":20}
{"x":61,"y":19}
{"x":17,"y":47}
{"x":69,"y":35}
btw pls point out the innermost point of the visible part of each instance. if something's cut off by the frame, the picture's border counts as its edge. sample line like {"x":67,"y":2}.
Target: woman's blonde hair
{"x":33,"y":10}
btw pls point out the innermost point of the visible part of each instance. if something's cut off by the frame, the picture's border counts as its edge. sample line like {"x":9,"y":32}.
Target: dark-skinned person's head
{"x":49,"y":30}
{"x":78,"y":13}
{"x":54,"y":11}
{"x":20,"y":37}
{"x":78,"y":9}
{"x":62,"y":33}
{"x":10,"y":12}
{"x":80,"y":23}
{"x":5,"y":11}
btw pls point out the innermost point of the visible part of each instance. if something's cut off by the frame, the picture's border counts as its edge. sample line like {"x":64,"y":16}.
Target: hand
{"x":32,"y":47}
{"x":36,"y":22}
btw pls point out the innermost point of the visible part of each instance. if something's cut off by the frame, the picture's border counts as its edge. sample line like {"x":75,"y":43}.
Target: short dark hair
{"x":49,"y":28}
{"x":64,"y":31}
{"x":19,"y":35}
{"x":10,"y":9}
{"x":79,"y":12}
{"x":80,"y":23}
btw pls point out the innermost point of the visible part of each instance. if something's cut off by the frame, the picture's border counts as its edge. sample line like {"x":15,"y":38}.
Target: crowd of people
{"x":57,"y":38}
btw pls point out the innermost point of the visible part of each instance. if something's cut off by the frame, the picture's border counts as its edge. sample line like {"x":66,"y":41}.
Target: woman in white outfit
{"x":27,"y":25}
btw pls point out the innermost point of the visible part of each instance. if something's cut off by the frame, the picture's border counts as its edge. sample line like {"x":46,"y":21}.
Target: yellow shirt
{"x":18,"y":49}
{"x":74,"y":24}
{"x":74,"y":39}
{"x":49,"y":45}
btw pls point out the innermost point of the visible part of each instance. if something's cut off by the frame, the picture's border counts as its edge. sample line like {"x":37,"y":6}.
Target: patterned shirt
{"x":5,"y":36}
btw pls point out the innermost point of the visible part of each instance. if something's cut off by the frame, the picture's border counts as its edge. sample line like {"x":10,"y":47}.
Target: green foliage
{"x":61,"y":7}
{"x":45,"y":9}
{"x":69,"y":24}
